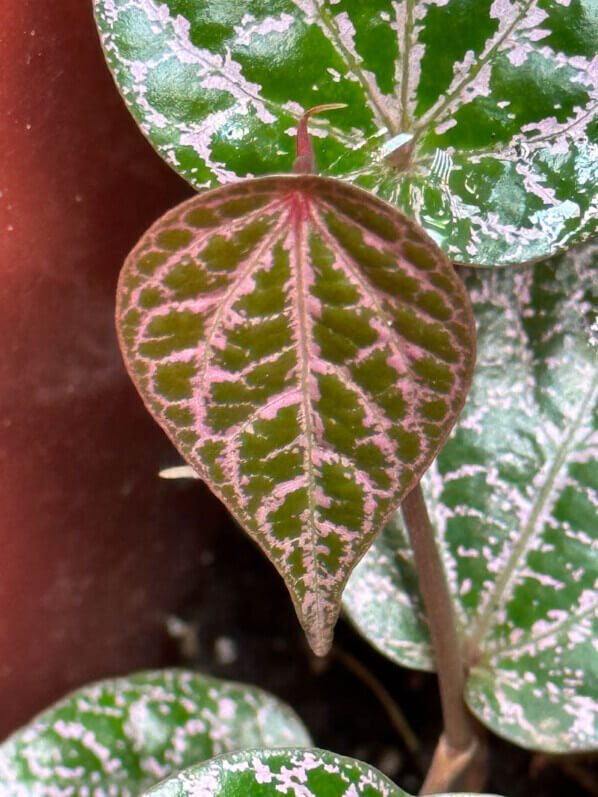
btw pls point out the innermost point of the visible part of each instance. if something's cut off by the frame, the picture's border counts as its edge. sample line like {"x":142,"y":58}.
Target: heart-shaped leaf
{"x":514,"y":497}
{"x":270,"y":773}
{"x":484,"y":107}
{"x":307,"y":348}
{"x":121,"y":736}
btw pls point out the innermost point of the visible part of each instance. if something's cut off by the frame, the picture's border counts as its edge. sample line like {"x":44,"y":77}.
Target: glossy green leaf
{"x":497,"y":98}
{"x":307,"y":348}
{"x":270,"y":773}
{"x":514,"y":497}
{"x":121,"y":736}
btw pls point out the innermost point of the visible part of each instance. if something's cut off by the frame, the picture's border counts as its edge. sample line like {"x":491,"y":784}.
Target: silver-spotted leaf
{"x":119,"y":737}
{"x":270,"y":773}
{"x":514,"y":497}
{"x":486,"y":107}
{"x":307,"y":348}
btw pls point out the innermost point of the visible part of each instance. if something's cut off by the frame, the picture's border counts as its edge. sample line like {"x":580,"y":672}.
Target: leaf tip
{"x":319,"y":628}
{"x":321,"y":641}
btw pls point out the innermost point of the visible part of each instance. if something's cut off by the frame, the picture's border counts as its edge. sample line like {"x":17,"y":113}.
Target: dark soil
{"x":241,"y":626}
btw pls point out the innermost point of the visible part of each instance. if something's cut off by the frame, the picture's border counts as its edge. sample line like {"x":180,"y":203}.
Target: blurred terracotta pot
{"x":95,"y":549}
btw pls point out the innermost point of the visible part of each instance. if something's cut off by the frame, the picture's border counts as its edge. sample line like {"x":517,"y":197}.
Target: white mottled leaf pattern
{"x":497,"y":99}
{"x":120,"y":736}
{"x":514,"y":497}
{"x":269,"y":773}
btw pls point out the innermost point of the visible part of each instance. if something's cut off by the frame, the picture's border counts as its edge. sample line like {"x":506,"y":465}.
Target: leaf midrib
{"x":368,"y":401}
{"x":485,"y":618}
{"x":354,"y":67}
{"x":557,"y":628}
{"x":304,"y":379}
{"x":354,"y":269}
{"x":405,"y":115}
{"x":435,"y":115}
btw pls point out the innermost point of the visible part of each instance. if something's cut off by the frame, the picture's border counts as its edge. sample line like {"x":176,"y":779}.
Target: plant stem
{"x":447,"y":767}
{"x":475,"y":775}
{"x":458,"y":741}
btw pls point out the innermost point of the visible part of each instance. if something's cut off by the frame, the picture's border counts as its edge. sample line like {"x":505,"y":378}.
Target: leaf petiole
{"x":458,"y":743}
{"x":305,"y":162}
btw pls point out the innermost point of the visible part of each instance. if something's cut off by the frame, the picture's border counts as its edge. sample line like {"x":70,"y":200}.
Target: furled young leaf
{"x":307,"y":348}
{"x":496,"y":98}
{"x":514,"y":497}
{"x":121,"y":736}
{"x":270,"y":773}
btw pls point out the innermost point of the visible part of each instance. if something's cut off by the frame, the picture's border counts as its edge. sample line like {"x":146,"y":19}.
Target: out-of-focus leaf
{"x":269,"y":773}
{"x":514,"y":497}
{"x":497,"y":99}
{"x":121,"y":736}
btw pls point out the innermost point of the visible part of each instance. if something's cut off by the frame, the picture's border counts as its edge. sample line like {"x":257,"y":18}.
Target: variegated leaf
{"x":496,"y":99}
{"x":121,"y":736}
{"x":270,"y":773}
{"x":307,"y":348}
{"x":514,"y":497}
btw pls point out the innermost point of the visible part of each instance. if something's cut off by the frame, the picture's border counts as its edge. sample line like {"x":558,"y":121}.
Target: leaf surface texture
{"x":499,"y":97}
{"x":307,"y":348}
{"x":514,"y":498}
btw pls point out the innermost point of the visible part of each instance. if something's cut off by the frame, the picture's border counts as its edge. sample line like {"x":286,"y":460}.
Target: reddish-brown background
{"x":94,"y":549}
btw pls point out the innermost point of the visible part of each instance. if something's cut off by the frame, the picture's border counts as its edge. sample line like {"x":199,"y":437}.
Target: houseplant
{"x":533,"y":181}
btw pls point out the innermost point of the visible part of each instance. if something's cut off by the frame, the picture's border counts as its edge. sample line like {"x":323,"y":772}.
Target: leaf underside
{"x":499,"y":95}
{"x":307,"y":348}
{"x":119,"y":737}
{"x":514,"y":497}
{"x":268,"y":773}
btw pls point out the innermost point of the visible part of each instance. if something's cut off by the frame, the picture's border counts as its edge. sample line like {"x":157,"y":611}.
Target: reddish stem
{"x":458,"y":740}
{"x":305,"y":162}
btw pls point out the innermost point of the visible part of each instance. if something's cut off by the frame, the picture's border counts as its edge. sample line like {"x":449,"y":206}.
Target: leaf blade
{"x":513,"y":496}
{"x":268,"y":772}
{"x":498,"y":95}
{"x":307,"y":352}
{"x":124,"y":734}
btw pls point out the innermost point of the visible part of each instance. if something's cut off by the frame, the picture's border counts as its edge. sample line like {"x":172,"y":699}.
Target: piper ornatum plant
{"x":495,"y":99}
{"x":308,"y":348}
{"x":512,"y":497}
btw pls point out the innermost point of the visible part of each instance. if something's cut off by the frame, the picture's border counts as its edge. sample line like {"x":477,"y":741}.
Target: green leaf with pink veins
{"x":307,"y":348}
